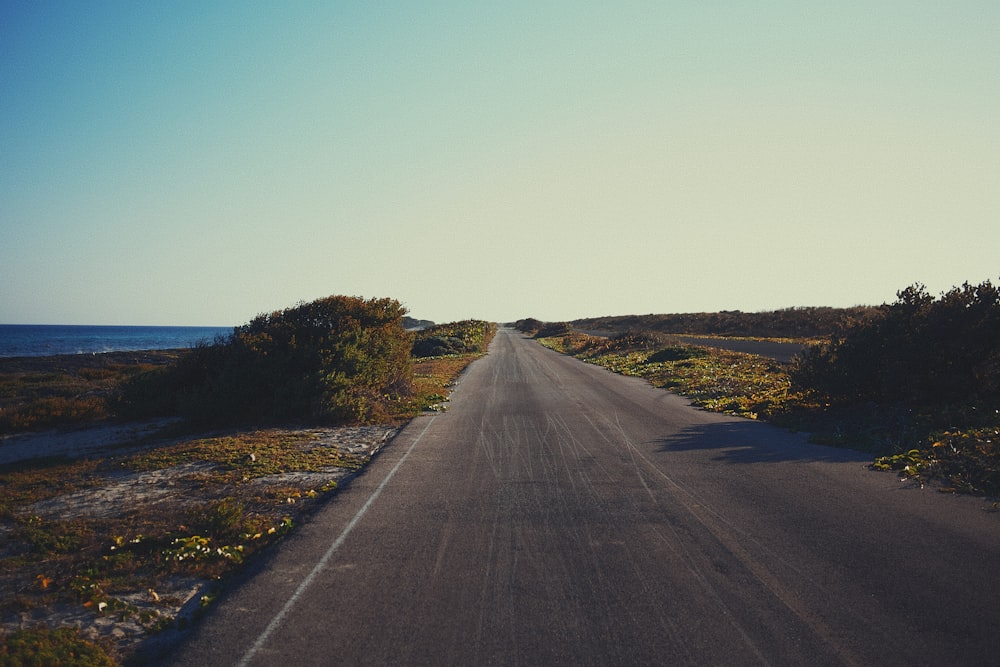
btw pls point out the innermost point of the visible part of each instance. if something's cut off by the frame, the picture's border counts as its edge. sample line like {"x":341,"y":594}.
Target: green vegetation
{"x":339,"y":359}
{"x":917,"y":351}
{"x":719,"y":380}
{"x":540,"y":329}
{"x":923,"y":376}
{"x":43,"y":647}
{"x":465,"y":337}
{"x":787,"y":323}
{"x":441,"y":353}
{"x":219,"y":501}
{"x":68,"y":390}
{"x":336,"y":360}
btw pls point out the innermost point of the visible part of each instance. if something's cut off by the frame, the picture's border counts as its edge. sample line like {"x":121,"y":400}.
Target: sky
{"x":193,"y":163}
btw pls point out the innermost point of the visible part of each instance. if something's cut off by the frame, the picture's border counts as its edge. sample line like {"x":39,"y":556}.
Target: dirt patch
{"x":120,"y":554}
{"x":95,"y":441}
{"x":125,"y":492}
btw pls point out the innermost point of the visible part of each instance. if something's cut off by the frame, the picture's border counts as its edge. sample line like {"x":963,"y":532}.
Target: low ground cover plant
{"x":440,"y":354}
{"x":720,"y":380}
{"x":45,"y":647}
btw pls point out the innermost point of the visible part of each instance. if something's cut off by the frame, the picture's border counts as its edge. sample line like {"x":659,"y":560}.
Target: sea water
{"x":37,"y":340}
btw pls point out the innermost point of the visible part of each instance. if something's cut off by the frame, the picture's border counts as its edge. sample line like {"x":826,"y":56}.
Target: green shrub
{"x":553,"y":329}
{"x":223,"y":518}
{"x":918,"y":350}
{"x":339,"y":359}
{"x":438,"y":346}
{"x":528,"y":325}
{"x":464,"y":337}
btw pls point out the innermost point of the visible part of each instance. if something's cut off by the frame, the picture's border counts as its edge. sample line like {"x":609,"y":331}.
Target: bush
{"x":438,"y":346}
{"x":802,"y":322}
{"x":918,"y":350}
{"x":464,"y":337}
{"x":339,"y":359}
{"x":528,"y":325}
{"x":553,"y":329}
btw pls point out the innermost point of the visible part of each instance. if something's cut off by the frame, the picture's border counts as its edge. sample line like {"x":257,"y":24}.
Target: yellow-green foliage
{"x":718,"y":380}
{"x":43,"y":646}
{"x":245,"y":456}
{"x":969,"y":459}
{"x":465,"y":337}
{"x":435,"y":370}
{"x":434,"y":377}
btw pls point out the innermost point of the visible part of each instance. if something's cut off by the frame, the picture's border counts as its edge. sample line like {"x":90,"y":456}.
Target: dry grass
{"x":434,"y":377}
{"x":67,"y":390}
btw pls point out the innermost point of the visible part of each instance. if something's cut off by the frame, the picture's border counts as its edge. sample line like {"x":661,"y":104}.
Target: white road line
{"x":280,"y":617}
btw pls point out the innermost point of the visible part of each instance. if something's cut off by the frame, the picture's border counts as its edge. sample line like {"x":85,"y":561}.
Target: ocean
{"x":39,"y":340}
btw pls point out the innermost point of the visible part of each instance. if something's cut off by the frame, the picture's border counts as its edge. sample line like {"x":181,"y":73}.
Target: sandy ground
{"x":168,"y":490}
{"x":75,"y":444}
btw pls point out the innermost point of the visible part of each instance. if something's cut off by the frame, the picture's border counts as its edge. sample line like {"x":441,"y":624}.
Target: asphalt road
{"x":558,"y":514}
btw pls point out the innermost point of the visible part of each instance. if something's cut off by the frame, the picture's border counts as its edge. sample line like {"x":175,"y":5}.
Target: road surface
{"x":559,"y":514}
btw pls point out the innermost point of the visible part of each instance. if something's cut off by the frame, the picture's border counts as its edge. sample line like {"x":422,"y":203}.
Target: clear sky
{"x":203,"y":162}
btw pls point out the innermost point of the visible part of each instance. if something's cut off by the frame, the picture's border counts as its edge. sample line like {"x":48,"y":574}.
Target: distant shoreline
{"x":27,"y":340}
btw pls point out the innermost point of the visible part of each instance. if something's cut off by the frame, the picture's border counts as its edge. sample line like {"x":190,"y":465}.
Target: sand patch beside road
{"x":86,"y":442}
{"x":120,"y":495}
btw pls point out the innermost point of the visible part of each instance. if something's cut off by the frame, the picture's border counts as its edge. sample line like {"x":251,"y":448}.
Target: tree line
{"x":801,"y":322}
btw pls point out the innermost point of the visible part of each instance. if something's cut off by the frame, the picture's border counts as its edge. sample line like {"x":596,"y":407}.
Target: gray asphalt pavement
{"x":558,"y":514}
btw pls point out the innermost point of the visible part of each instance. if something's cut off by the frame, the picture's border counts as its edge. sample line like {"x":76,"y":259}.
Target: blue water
{"x":38,"y":340}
